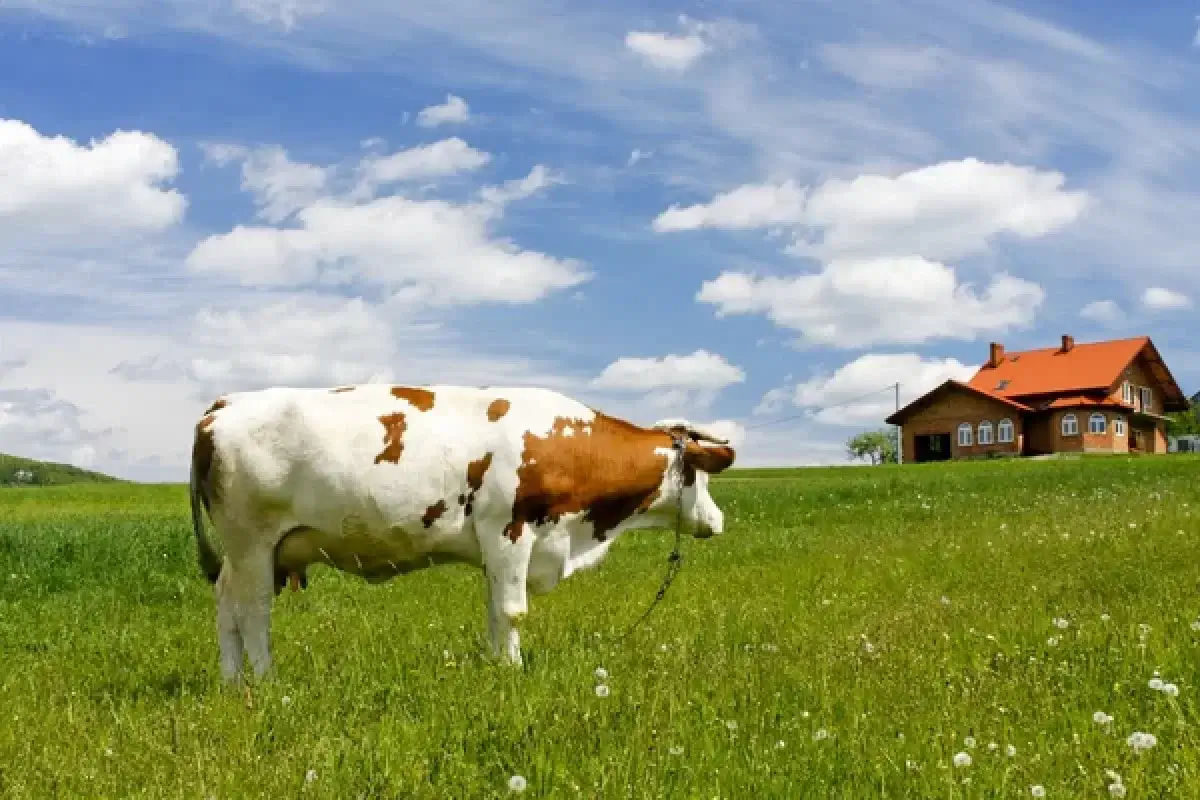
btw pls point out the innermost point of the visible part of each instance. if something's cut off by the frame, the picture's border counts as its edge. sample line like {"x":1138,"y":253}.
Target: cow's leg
{"x":245,"y":590}
{"x":506,"y":565}
{"x":229,"y":638}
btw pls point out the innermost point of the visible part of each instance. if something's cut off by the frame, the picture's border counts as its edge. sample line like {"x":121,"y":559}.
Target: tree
{"x":1183,"y":423}
{"x":879,"y":447}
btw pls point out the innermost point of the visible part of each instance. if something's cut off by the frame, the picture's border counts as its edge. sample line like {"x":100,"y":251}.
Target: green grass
{"x":46,"y":473}
{"x":108,"y":660}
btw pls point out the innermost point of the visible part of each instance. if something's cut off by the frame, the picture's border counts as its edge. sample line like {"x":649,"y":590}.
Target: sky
{"x":756,"y":216}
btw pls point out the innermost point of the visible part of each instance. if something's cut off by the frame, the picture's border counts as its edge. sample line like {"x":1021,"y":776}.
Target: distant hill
{"x":17,"y":471}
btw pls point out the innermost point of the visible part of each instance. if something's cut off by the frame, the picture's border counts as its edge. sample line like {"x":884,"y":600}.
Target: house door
{"x":931,"y":447}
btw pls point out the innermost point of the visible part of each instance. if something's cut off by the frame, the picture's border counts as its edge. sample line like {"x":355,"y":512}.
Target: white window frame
{"x":1006,"y":425}
{"x":1118,"y":425}
{"x":1147,"y":398}
{"x":966,"y":435}
{"x":1092,"y":424}
{"x":1127,"y":392}
{"x":1073,"y":428}
{"x":986,"y":426}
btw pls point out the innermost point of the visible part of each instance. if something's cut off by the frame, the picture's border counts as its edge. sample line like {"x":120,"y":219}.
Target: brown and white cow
{"x":379,"y":480}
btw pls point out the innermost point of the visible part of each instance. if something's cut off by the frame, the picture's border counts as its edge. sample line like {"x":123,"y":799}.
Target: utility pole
{"x":899,"y":431}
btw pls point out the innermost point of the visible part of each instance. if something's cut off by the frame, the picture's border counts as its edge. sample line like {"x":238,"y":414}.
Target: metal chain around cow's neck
{"x":675,"y":560}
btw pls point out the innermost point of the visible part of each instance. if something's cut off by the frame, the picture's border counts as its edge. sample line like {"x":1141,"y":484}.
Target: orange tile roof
{"x":1080,"y":401}
{"x":1088,"y":366}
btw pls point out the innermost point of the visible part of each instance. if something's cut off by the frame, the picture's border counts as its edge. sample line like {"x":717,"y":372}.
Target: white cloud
{"x":862,"y":393}
{"x":421,"y":248}
{"x":437,"y":160}
{"x":39,"y":422}
{"x":1160,"y":299}
{"x":746,"y":207}
{"x":884,"y":66}
{"x":672,"y":382}
{"x":665,"y":51}
{"x":698,"y":370}
{"x":58,"y":193}
{"x":280,"y":186}
{"x":1102,"y":311}
{"x":887,"y":300}
{"x":946,"y":210}
{"x":454,"y":110}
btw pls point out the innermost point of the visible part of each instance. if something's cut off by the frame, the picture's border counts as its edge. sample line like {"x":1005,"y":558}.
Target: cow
{"x":376,"y":480}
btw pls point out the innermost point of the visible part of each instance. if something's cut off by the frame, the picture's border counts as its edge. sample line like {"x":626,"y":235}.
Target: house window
{"x":1118,"y":426}
{"x":1147,"y":398}
{"x":1127,"y":392}
{"x":1005,"y":429}
{"x":1097,"y":424}
{"x":1070,"y":425}
{"x":966,"y":434}
{"x":985,"y":432}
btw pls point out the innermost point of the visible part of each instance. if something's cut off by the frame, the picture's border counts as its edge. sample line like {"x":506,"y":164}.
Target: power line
{"x":809,"y":412}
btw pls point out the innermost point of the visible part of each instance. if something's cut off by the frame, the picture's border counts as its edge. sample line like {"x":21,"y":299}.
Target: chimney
{"x":996,"y":354}
{"x":1068,"y":343}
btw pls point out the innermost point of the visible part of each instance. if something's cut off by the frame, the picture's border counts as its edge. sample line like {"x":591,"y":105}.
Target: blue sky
{"x":732,"y":212}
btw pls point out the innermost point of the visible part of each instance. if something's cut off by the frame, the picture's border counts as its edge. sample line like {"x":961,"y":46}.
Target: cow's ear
{"x":708,"y":459}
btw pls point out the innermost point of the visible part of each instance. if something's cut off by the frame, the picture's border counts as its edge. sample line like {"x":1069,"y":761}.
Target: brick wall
{"x":1137,"y":374}
{"x":1084,"y":441}
{"x":955,"y":408}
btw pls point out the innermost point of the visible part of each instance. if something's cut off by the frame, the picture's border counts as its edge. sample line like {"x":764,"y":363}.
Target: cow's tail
{"x":198,"y":480}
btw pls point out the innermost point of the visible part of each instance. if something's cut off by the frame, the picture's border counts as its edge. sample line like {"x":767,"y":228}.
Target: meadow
{"x":997,"y":629}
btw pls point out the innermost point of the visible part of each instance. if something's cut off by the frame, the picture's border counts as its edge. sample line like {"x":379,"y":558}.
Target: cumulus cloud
{"x":856,"y":303}
{"x":1103,"y":311}
{"x":437,"y":160}
{"x":862,"y":393}
{"x":673,"y":381}
{"x":455,"y":109}
{"x":280,"y":186}
{"x":40,"y":424}
{"x":61,"y":193}
{"x":943,"y":211}
{"x":743,"y":208}
{"x":415,"y":247}
{"x":1159,"y":299}
{"x":699,"y":370}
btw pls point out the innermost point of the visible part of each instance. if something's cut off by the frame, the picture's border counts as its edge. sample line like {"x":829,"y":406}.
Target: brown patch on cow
{"x":206,"y":422}
{"x":433,"y":513}
{"x":476,"y":470}
{"x":498,"y":408}
{"x":217,"y":405}
{"x":204,"y":463}
{"x":707,"y":459}
{"x":421,"y":399}
{"x":341,"y":389}
{"x":610,"y":473}
{"x":393,"y":437}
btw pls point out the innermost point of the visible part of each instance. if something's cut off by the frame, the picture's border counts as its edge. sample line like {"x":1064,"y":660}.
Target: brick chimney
{"x":996,"y":354}
{"x":1068,"y":343}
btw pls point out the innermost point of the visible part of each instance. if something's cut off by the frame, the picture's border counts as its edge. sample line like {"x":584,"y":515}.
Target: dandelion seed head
{"x":517,"y":784}
{"x":820,"y":734}
{"x":962,"y":759}
{"x":1102,"y":718}
{"x":1011,"y":751}
{"x":601,"y":674}
{"x":1140,"y":741}
{"x":1037,"y":790}
{"x":602,"y":691}
{"x":1156,"y":684}
{"x":310,"y":776}
{"x":969,"y":741}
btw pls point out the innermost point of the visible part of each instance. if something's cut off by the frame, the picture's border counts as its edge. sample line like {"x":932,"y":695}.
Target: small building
{"x":1100,"y":397}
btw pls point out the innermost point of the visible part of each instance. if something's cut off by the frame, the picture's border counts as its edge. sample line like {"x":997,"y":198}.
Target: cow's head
{"x":697,"y":455}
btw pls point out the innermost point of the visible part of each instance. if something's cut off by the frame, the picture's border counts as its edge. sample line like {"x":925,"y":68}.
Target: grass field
{"x":852,"y":632}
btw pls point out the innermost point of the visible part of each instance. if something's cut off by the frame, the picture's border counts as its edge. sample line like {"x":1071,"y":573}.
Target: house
{"x":1100,"y":397}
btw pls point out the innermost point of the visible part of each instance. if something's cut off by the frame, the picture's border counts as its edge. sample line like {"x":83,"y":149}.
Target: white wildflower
{"x":962,"y":760}
{"x":310,"y":776}
{"x":676,"y":750}
{"x":1101,"y":718}
{"x":969,"y":741}
{"x":1011,"y":751}
{"x":1141,"y":741}
{"x":601,"y":674}
{"x":1170,"y":689}
{"x":1116,"y":789}
{"x":1061,"y":623}
{"x":820,"y":734}
{"x":602,"y":691}
{"x":1037,"y":790}
{"x":1156,"y":684}
{"x":517,"y":783}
